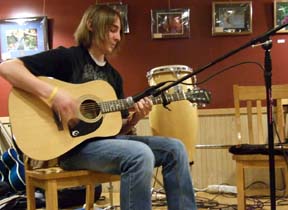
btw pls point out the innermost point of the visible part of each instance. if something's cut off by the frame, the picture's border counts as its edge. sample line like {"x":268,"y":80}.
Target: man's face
{"x":113,"y":37}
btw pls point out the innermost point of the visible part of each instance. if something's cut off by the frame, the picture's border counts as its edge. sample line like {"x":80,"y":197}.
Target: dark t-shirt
{"x":74,"y":65}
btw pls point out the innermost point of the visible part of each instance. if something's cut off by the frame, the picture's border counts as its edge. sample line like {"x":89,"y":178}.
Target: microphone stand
{"x":268,"y":76}
{"x":266,"y":45}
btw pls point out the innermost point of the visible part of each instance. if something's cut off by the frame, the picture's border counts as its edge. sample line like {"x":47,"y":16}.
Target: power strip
{"x":221,"y":189}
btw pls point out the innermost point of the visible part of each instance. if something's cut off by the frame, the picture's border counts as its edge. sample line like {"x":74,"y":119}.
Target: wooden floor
{"x":205,"y":201}
{"x":218,"y":201}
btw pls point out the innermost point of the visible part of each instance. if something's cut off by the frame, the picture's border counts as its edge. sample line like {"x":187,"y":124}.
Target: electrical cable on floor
{"x":258,"y":183}
{"x":280,"y":200}
{"x":211,"y":203}
{"x":207,"y":203}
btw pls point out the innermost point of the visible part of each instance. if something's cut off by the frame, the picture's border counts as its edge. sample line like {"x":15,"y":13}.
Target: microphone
{"x":263,"y":43}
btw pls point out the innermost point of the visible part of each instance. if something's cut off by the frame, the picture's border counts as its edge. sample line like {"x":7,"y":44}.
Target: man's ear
{"x":89,"y":25}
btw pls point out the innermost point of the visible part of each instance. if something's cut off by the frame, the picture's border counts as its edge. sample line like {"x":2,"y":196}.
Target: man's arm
{"x":15,"y":72}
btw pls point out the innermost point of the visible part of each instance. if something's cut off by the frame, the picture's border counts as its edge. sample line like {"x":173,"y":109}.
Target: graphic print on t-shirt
{"x":91,"y":72}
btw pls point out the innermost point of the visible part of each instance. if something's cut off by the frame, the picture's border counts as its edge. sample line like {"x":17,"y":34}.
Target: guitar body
{"x":16,"y":175}
{"x":35,"y":127}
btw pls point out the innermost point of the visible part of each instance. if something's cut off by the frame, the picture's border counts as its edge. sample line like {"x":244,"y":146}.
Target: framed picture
{"x":170,"y":23}
{"x":123,"y":10}
{"x":232,"y":18}
{"x":281,"y":14}
{"x":23,"y":36}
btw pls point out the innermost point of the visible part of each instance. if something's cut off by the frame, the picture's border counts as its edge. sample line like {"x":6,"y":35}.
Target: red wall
{"x":140,"y":53}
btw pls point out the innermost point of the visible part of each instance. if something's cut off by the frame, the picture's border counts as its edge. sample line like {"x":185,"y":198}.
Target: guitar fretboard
{"x":122,"y":104}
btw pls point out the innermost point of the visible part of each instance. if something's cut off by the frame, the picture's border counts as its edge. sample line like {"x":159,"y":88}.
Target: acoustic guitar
{"x":42,"y":135}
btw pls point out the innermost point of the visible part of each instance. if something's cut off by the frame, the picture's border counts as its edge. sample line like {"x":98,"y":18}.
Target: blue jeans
{"x":134,"y":157}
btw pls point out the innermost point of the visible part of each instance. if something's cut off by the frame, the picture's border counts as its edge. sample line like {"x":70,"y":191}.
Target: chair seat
{"x":258,"y":161}
{"x":54,"y":178}
{"x":59,"y":173}
{"x":256,"y":149}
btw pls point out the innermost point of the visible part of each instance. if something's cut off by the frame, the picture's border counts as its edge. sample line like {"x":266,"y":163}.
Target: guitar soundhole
{"x":89,"y":109}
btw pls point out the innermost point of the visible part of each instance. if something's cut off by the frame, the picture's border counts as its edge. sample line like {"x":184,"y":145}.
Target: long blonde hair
{"x":99,"y":18}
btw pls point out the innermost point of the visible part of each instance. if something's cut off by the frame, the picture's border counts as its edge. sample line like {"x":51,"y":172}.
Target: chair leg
{"x":30,"y":193}
{"x":240,"y":176}
{"x":286,"y":178}
{"x":110,"y":190}
{"x":90,"y":191}
{"x":51,"y":195}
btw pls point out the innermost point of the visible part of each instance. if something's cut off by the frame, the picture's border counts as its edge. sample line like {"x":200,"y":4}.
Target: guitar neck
{"x":122,"y":104}
{"x":168,"y":98}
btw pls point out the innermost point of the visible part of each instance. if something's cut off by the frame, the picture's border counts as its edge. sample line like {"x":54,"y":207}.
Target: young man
{"x":133,"y":157}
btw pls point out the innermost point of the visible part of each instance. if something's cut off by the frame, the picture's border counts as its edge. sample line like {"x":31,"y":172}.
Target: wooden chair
{"x":50,"y":178}
{"x":53,"y":178}
{"x":256,"y":133}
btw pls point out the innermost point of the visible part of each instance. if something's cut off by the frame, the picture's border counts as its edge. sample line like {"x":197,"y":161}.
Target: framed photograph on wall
{"x":23,"y":36}
{"x":281,"y":14}
{"x":170,"y":23}
{"x":231,"y":18}
{"x":123,"y":10}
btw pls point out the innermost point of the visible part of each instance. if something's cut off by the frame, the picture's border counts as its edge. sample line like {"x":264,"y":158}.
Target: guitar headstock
{"x":199,"y":96}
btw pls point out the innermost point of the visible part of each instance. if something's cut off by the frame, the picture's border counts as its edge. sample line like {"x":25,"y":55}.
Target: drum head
{"x":175,"y":69}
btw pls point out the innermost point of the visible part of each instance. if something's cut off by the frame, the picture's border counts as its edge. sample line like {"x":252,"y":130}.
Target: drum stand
{"x":158,"y":195}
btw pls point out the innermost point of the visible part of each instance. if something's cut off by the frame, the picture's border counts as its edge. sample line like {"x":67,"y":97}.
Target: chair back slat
{"x":260,"y":122}
{"x":237,"y":113}
{"x":253,"y":98}
{"x":280,"y":122}
{"x":250,"y":121}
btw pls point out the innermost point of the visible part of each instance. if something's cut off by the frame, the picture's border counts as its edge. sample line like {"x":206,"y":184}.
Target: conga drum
{"x":182,"y":120}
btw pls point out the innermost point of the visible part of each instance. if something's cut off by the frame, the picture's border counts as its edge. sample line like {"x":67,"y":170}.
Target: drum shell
{"x":182,"y":121}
